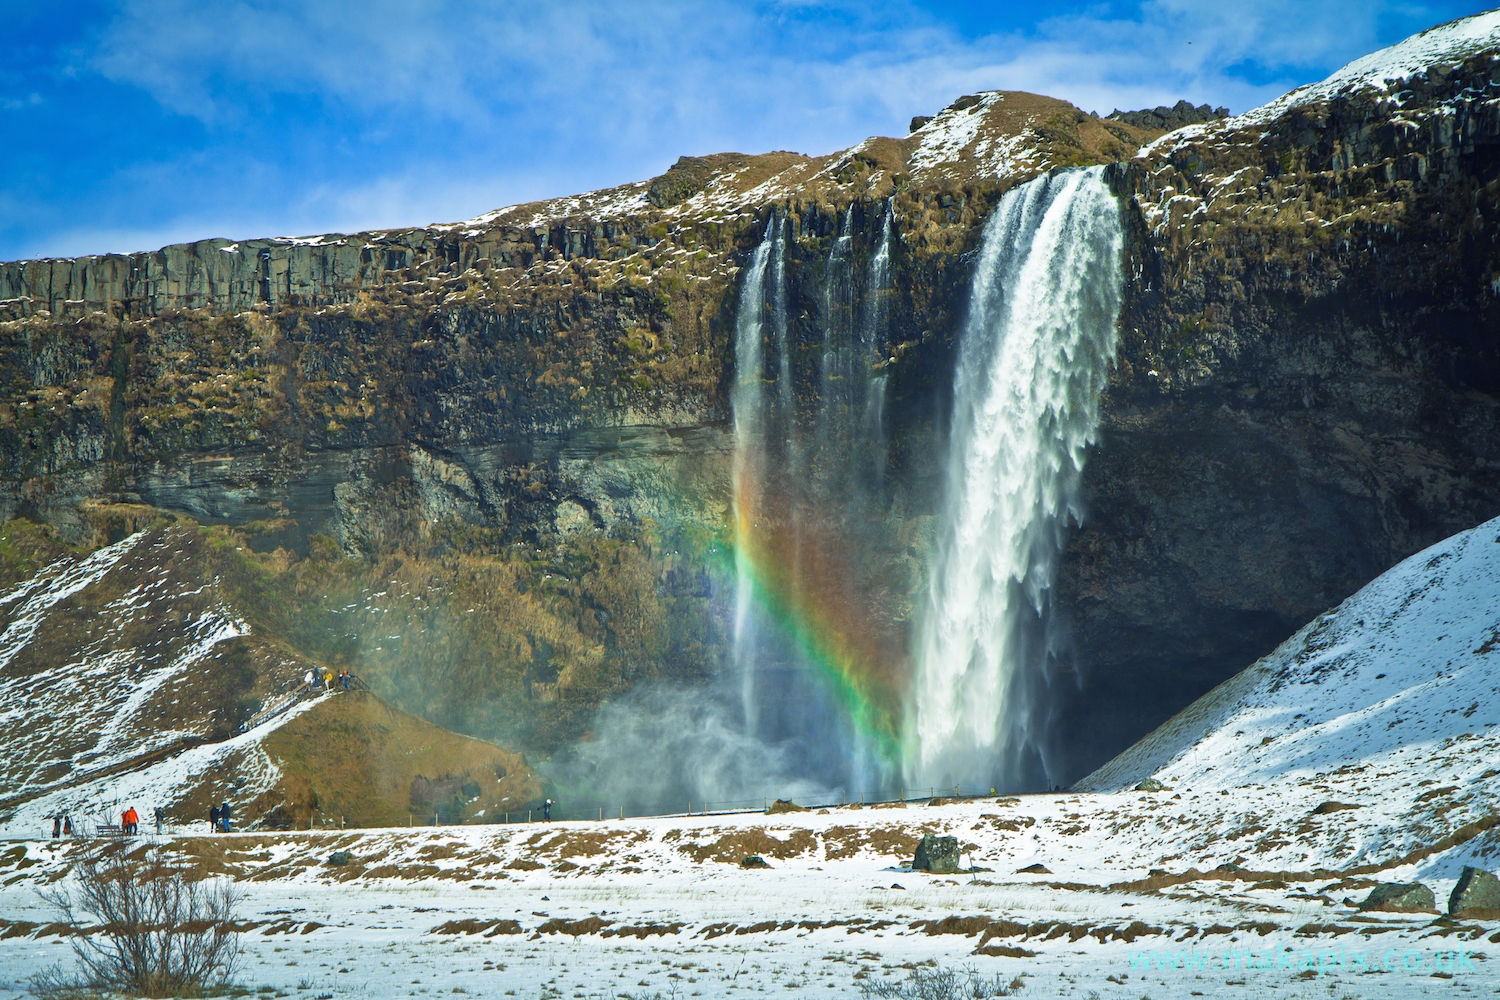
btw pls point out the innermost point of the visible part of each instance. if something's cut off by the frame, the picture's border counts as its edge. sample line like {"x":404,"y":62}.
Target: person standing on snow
{"x":224,"y":815}
{"x":130,"y":821}
{"x":213,"y":819}
{"x":56,"y":826}
{"x":161,"y":817}
{"x":547,"y":810}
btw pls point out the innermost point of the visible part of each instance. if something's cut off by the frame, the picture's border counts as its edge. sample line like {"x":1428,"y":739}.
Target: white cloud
{"x":323,"y":115}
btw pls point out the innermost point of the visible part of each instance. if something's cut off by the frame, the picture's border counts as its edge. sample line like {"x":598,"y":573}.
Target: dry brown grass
{"x":644,"y":931}
{"x":847,"y":841}
{"x":732,"y":848}
{"x":478,"y":925}
{"x":574,"y":928}
{"x":353,"y":758}
{"x":586,"y":844}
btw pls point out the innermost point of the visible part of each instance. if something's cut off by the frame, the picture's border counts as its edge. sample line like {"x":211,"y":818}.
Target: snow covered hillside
{"x":144,"y":673}
{"x":113,"y":661}
{"x":1394,"y":692}
{"x":1440,"y":47}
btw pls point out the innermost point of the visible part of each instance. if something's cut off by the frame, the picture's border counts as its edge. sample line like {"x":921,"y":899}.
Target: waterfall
{"x":838,"y":304}
{"x":747,"y":402}
{"x":872,"y":333}
{"x":879,"y":282}
{"x":1033,"y":359}
{"x":813,"y":656}
{"x":784,"y":388}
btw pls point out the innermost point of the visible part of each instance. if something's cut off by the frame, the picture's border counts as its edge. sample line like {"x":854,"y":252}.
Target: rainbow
{"x":799,"y":582}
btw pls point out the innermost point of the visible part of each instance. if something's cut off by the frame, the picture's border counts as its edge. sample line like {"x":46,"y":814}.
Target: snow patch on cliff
{"x":1448,"y":44}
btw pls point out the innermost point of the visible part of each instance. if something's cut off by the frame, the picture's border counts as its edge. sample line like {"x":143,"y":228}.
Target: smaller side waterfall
{"x":815,"y":657}
{"x":747,"y":400}
{"x":872,"y":334}
{"x":1034,"y":357}
{"x":809,"y":701}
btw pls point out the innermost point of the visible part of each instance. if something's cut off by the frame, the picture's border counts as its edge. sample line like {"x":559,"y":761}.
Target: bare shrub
{"x":940,"y":984}
{"x":143,"y":928}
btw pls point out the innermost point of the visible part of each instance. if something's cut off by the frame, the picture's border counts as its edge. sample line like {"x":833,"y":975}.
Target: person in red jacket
{"x":130,"y":821}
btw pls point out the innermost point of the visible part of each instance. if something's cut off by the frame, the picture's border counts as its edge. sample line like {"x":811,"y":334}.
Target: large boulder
{"x":1400,"y":897}
{"x":938,"y":855}
{"x":1477,"y":894}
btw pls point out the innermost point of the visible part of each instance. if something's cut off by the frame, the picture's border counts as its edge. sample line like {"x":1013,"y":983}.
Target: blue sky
{"x":130,"y":124}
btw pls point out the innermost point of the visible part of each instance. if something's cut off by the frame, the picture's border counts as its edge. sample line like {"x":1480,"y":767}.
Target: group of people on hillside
{"x":324,"y":680}
{"x":130,"y":820}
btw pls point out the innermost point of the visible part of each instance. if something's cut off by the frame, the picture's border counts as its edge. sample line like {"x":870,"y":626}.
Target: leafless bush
{"x":144,"y":929}
{"x":940,"y":984}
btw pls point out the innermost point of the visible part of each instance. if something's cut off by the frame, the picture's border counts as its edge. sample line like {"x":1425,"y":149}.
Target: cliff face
{"x":1308,"y":386}
{"x":504,"y":444}
{"x":525,"y":414}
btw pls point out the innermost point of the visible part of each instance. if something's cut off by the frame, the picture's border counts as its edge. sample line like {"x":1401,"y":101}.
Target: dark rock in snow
{"x":1149,"y":785}
{"x":338,"y":858}
{"x":1400,"y":897}
{"x":918,"y":121}
{"x":938,"y":855}
{"x":754,"y":861}
{"x":1477,"y":894}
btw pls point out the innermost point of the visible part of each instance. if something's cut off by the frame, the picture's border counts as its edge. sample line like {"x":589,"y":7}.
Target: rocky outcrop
{"x":938,"y":855}
{"x":1399,"y":897}
{"x":1168,"y":118}
{"x":1475,"y":896}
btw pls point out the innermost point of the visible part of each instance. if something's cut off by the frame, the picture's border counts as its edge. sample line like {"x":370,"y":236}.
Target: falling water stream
{"x":805,"y":462}
{"x":1034,"y":356}
{"x":747,"y":400}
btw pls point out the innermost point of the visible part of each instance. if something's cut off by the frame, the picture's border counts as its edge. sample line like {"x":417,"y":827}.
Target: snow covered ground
{"x":460,"y":910}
